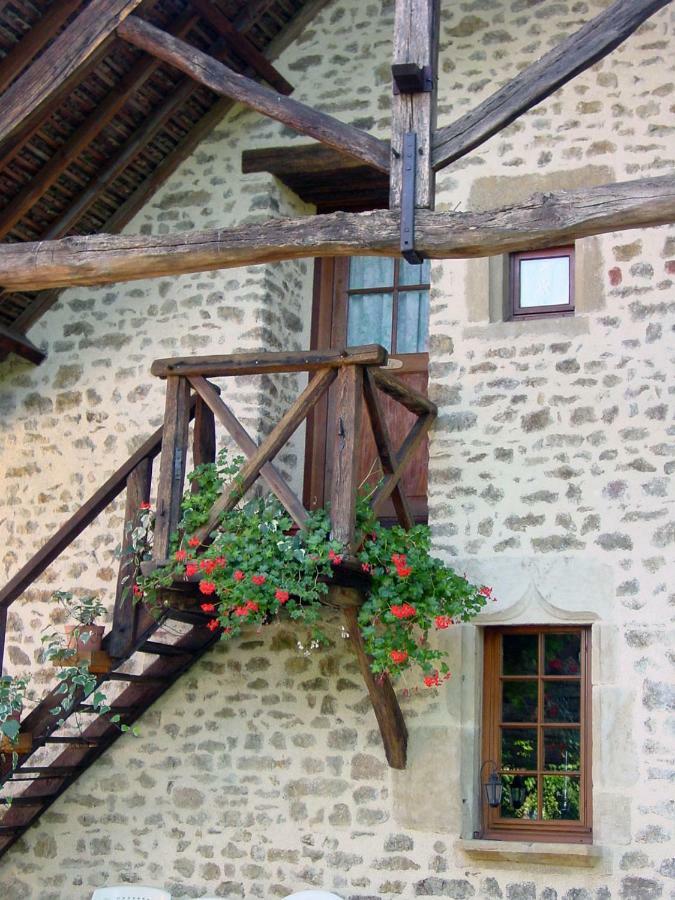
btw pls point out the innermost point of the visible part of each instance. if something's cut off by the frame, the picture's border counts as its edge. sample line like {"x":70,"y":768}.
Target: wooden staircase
{"x":147,"y":655}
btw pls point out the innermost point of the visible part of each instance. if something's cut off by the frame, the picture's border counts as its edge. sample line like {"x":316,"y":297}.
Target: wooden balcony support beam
{"x":12,"y":341}
{"x":225,"y":81}
{"x":576,"y":53}
{"x":542,"y":220}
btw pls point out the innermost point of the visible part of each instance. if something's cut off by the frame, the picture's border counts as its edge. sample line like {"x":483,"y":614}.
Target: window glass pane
{"x":562,"y":654}
{"x":519,"y":797}
{"x":561,"y":797}
{"x":519,"y":748}
{"x":561,"y":749}
{"x":544,"y":282}
{"x":413,"y":322}
{"x":519,"y":653}
{"x":561,"y":701}
{"x":370,"y":272}
{"x":409,"y":274}
{"x":369,"y":320}
{"x":519,"y":701}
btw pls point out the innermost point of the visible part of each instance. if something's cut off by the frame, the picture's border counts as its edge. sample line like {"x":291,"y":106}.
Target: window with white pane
{"x":542,"y":283}
{"x":388,"y":304}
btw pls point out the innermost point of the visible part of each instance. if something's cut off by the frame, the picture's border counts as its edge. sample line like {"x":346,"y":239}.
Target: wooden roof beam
{"x":12,"y":341}
{"x":242,"y":46}
{"x":543,"y":220}
{"x":575,"y":54}
{"x":32,"y":42}
{"x":84,"y":135}
{"x":223,"y":80}
{"x":60,"y":60}
{"x":296,"y":159}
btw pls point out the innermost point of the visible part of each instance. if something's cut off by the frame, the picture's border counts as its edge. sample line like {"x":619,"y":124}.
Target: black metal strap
{"x":408,"y":173}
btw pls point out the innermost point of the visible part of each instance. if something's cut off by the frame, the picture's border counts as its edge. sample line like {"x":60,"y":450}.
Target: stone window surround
{"x":565,"y":590}
{"x":487,"y":279}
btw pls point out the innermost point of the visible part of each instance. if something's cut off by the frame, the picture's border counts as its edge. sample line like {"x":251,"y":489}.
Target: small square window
{"x":542,"y":283}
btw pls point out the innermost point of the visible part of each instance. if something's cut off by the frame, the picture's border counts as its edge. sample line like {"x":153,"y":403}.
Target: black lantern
{"x":493,"y":786}
{"x":518,"y":792}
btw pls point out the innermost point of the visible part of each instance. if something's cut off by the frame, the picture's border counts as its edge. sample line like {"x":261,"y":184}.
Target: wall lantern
{"x":493,"y":786}
{"x":518,"y":792}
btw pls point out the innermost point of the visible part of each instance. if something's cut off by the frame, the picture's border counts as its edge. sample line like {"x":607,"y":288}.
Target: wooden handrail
{"x":79,"y":521}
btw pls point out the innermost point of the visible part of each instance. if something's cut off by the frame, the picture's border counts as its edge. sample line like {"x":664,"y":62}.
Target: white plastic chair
{"x":312,"y":895}
{"x":130,"y":892}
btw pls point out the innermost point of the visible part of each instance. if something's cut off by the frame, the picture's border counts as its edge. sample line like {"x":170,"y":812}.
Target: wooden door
{"x":365,"y":300}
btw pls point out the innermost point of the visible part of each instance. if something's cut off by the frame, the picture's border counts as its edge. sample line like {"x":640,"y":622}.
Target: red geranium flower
{"x":207,"y":587}
{"x":137,"y":591}
{"x":404,"y":611}
{"x":485,"y":591}
{"x":367,"y":567}
{"x":207,"y":565}
{"x":258,"y":579}
{"x":220,"y":561}
{"x":191,"y":569}
{"x":213,"y":624}
{"x":239,"y":575}
{"x":281,"y":596}
{"x":334,"y":557}
{"x":194,"y":542}
{"x":208,"y":607}
{"x":442,"y":621}
{"x":432,"y":680}
{"x":398,"y":656}
{"x":252,"y":606}
{"x":144,"y":506}
{"x":180,"y":555}
{"x":241,"y":610}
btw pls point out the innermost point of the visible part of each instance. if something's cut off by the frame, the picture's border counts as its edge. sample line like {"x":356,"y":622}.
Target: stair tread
{"x":165,"y":649}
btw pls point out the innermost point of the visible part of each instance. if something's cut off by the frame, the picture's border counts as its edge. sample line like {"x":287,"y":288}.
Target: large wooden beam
{"x":223,"y":80}
{"x":415,"y":42}
{"x":242,"y":46}
{"x":84,"y":135}
{"x":575,"y":54}
{"x":68,"y":52}
{"x":542,"y":220}
{"x":34,"y":39}
{"x":296,"y":159}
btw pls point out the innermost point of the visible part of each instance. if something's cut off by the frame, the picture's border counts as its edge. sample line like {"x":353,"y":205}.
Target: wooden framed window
{"x":537,"y":730}
{"x":542,"y":283}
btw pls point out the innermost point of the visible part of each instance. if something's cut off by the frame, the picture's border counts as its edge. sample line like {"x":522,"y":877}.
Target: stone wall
{"x":262,"y":771}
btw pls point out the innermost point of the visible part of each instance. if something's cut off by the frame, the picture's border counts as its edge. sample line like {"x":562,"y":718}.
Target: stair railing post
{"x":345,"y":439}
{"x":172,"y":466}
{"x":203,"y":437}
{"x":125,"y":612}
{"x":3,"y":629}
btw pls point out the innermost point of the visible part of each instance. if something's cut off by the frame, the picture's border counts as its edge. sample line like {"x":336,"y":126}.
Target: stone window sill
{"x":580,"y":855}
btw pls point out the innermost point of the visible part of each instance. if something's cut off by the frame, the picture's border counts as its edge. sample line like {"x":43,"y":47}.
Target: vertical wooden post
{"x":125,"y":612}
{"x":416,"y":26}
{"x":3,"y":630}
{"x":172,"y":467}
{"x":204,"y":437}
{"x":345,"y":436}
{"x":385,"y":704}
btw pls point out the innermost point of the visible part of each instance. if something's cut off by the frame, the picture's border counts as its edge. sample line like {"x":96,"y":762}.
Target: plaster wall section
{"x":262,"y":772}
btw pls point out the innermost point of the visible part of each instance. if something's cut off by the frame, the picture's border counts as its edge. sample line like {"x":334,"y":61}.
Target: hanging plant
{"x":257,"y":567}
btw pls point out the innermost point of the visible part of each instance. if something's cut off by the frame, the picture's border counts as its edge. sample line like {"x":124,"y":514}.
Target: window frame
{"x":493,"y":827}
{"x":515,"y":311}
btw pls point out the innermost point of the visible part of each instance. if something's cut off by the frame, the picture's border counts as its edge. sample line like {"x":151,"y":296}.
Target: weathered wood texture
{"x":542,"y":220}
{"x":276,"y":439}
{"x":245,"y":442}
{"x":242,"y":46}
{"x":203,"y":435}
{"x":345,"y":436}
{"x":223,"y":80}
{"x":575,"y":54}
{"x":296,"y":160}
{"x":269,"y":363}
{"x":34,"y":39}
{"x":382,"y":696}
{"x":173,"y":463}
{"x":415,"y":41}
{"x":125,"y":611}
{"x":81,"y":138}
{"x":68,"y":52}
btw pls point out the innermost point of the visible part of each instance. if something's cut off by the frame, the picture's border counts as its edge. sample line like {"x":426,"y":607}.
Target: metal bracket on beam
{"x":409,"y":78}
{"x":408,"y":172}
